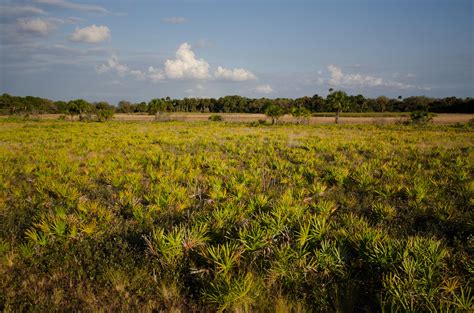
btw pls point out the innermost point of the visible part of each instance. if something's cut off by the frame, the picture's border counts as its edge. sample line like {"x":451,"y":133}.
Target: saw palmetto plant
{"x":223,"y":216}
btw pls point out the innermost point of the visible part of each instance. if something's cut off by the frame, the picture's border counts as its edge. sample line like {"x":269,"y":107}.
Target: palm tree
{"x":337,"y":100}
{"x":275,"y":112}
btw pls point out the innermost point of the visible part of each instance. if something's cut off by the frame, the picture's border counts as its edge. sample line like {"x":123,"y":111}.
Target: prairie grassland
{"x":317,"y":118}
{"x":204,"y":216}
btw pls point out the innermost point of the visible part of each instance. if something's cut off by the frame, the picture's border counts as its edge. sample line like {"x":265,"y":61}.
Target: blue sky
{"x":138,"y":50}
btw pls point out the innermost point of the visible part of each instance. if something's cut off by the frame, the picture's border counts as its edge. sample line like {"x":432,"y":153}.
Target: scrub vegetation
{"x":210,"y":216}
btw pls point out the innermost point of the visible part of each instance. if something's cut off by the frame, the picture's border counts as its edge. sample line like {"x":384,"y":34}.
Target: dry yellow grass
{"x":250,"y":117}
{"x":443,"y":118}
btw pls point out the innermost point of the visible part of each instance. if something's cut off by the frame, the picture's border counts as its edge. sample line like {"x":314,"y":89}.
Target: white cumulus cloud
{"x":35,"y":25}
{"x":113,"y":65}
{"x":155,"y":74}
{"x":236,"y":74}
{"x":265,"y":89}
{"x":339,"y":78}
{"x":186,"y":65}
{"x":138,"y":75}
{"x":91,"y":34}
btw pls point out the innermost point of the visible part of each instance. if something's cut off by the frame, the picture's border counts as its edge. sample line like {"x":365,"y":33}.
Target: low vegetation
{"x":216,"y":118}
{"x":216,"y":216}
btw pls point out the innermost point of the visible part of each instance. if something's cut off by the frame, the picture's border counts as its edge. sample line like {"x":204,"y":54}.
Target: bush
{"x":300,"y":114}
{"x":215,"y":118}
{"x":258,"y":123}
{"x":104,"y":111}
{"x":275,"y":112}
{"x":420,"y":117}
{"x":104,"y":115}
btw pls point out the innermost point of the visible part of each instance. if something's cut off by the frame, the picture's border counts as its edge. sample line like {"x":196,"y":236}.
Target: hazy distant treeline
{"x":237,"y":104}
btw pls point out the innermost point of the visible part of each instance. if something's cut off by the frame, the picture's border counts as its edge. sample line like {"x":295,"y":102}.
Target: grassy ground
{"x":206,"y":216}
{"x":317,"y":118}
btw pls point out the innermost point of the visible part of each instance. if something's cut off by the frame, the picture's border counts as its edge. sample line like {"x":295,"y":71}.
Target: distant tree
{"x":382,"y":103}
{"x":61,"y":107}
{"x":72,"y":109}
{"x":156,"y":106}
{"x":10,"y":104}
{"x":416,"y":103}
{"x":5,"y":103}
{"x":125,"y":107}
{"x":230,"y":104}
{"x":358,"y":103}
{"x":36,"y":105}
{"x":275,"y":112}
{"x":300,"y":113}
{"x":141,"y":107}
{"x":338,"y":102}
{"x":78,"y":107}
{"x":104,"y":111}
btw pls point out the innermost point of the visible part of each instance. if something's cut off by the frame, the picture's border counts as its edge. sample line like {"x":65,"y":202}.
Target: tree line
{"x":336,"y":101}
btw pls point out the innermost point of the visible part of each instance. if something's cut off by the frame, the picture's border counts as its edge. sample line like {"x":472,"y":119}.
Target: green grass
{"x":223,"y":216}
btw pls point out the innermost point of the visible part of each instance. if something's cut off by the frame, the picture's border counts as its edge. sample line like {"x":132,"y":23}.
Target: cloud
{"x":74,"y":6}
{"x":30,"y":56}
{"x":186,"y":65}
{"x":138,"y":75}
{"x":338,"y":78}
{"x":265,"y":89}
{"x":91,"y":34}
{"x":175,"y":20}
{"x":236,"y":74}
{"x":155,"y":74}
{"x":20,"y":11}
{"x":115,"y":66}
{"x":35,"y":26}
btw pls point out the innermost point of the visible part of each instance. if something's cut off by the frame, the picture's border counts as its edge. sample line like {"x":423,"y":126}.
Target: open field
{"x":224,"y":216}
{"x":320,"y":118}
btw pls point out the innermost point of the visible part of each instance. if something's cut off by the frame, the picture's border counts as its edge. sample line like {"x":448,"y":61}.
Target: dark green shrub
{"x":275,"y":112}
{"x":420,"y":117}
{"x":215,"y":118}
{"x":104,"y":111}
